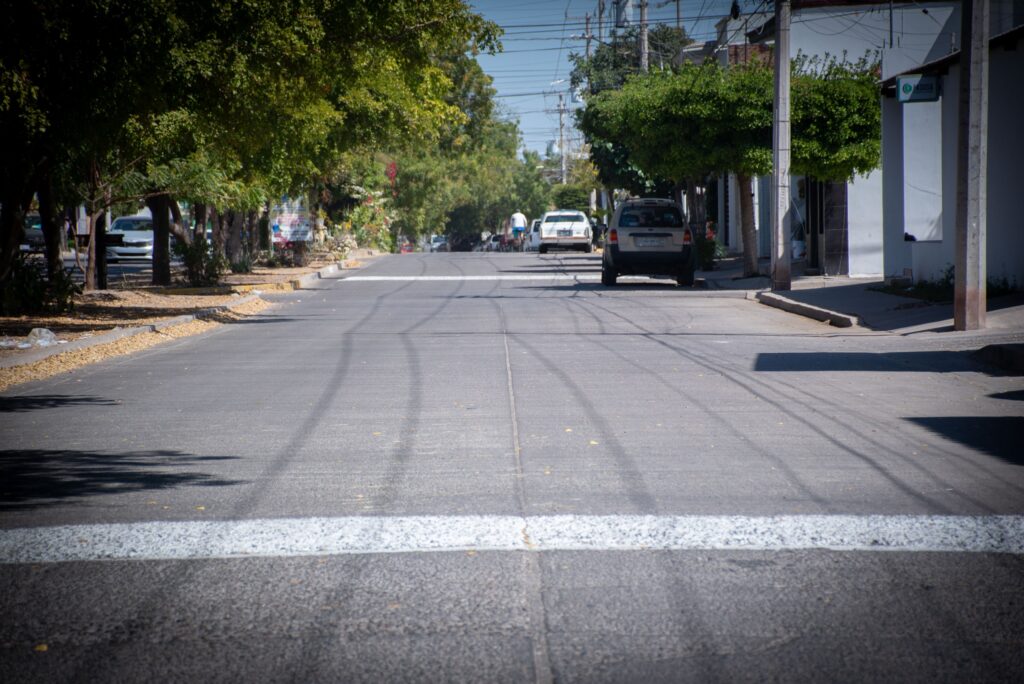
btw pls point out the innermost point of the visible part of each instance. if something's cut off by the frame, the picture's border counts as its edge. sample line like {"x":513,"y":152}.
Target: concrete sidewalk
{"x":856,"y":303}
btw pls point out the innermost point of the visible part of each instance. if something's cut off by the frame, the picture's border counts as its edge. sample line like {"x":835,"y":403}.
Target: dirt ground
{"x":130,"y":302}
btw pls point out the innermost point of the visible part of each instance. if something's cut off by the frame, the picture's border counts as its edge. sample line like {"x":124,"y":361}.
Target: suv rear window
{"x":651,"y":217}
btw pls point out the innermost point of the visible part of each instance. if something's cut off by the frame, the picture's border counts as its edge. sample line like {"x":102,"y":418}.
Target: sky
{"x":539,"y":37}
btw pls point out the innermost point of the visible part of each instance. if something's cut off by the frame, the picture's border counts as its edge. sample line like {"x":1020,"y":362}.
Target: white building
{"x":919,"y":157}
{"x":839,"y":226}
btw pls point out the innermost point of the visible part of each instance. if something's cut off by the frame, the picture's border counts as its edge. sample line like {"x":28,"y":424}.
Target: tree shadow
{"x":999,"y":436}
{"x":38,"y":477}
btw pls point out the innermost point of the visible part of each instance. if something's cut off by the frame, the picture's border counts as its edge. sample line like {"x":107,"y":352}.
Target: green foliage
{"x":30,"y":292}
{"x":570,"y":196}
{"x":224,"y":103}
{"x":203,"y":266}
{"x":703,"y":119}
{"x":837,"y":119}
{"x":613,"y":62}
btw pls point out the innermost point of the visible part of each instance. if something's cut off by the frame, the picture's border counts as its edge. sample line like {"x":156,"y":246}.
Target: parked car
{"x":438,"y":243}
{"x":563,"y":229}
{"x":130,"y":237}
{"x":532,"y":238}
{"x":648,"y":237}
{"x":493,"y":243}
{"x":34,"y":240}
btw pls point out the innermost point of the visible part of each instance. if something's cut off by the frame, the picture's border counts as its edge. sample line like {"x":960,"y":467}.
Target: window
{"x":651,"y":217}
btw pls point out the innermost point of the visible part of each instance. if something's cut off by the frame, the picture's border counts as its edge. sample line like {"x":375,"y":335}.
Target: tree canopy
{"x":226,"y":102}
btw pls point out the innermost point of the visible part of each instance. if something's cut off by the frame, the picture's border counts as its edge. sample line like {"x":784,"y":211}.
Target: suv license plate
{"x":649,"y":242}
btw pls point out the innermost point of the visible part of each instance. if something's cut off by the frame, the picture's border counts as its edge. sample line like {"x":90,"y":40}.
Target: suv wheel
{"x":685,"y":278}
{"x":608,"y":275}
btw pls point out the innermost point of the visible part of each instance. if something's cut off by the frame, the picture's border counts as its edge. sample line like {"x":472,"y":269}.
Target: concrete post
{"x":969,"y":304}
{"x":781,"y":279}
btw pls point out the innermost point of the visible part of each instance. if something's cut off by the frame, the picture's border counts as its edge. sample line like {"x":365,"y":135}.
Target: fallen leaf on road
{"x":41,"y":648}
{"x":593,"y":443}
{"x":200,"y":508}
{"x":568,"y":429}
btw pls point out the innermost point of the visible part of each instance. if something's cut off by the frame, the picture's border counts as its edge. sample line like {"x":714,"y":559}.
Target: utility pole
{"x":561,"y":137}
{"x":781,"y":279}
{"x":600,"y":20}
{"x":644,"y":56}
{"x":969,"y":306}
{"x":588,"y":35}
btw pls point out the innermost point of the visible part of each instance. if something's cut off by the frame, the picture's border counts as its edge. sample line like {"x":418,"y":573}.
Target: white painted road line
{"x":553,"y":276}
{"x":286,"y":537}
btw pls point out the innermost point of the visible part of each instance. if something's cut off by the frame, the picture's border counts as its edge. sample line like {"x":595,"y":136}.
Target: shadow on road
{"x":921,"y":361}
{"x":998,"y":436}
{"x":38,"y":477}
{"x":21,"y":404}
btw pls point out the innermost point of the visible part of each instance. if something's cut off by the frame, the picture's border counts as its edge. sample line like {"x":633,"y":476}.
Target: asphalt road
{"x":488,"y":467}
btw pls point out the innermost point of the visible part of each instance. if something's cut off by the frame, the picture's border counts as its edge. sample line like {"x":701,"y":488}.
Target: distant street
{"x":489,"y":467}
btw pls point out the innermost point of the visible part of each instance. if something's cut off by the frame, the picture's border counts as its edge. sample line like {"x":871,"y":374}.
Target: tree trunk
{"x":52,"y":225}
{"x":233,"y":245}
{"x":71,"y":213}
{"x":250,"y":231}
{"x":178,"y":229}
{"x":747,"y":225}
{"x":96,"y":273}
{"x":199,"y":214}
{"x":159,"y":207}
{"x":217,"y":218}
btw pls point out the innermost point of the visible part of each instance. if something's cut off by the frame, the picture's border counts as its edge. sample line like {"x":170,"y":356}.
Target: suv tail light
{"x":613,"y":237}
{"x":687,"y":237}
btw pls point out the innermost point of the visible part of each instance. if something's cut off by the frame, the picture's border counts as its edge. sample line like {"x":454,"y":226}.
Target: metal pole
{"x":643,"y":36}
{"x":780,"y":151}
{"x":969,"y":306}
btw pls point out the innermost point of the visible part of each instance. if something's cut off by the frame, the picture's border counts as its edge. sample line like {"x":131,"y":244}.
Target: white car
{"x":531,"y":241}
{"x":130,"y":237}
{"x":438,"y":243}
{"x":563,"y":229}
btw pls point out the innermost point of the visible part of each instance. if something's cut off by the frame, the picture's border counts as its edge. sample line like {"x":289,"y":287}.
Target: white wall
{"x":864,"y":230}
{"x":1005,"y":224}
{"x":855,"y":30}
{"x":922,"y":169}
{"x":896,"y":251}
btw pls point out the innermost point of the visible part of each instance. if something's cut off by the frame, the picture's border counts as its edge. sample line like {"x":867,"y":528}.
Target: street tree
{"x":703,"y":119}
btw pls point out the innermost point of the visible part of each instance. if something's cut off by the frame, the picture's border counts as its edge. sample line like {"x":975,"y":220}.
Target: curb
{"x":117,"y":334}
{"x":201,"y":314}
{"x":839,"y":320}
{"x":1009,"y":357}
